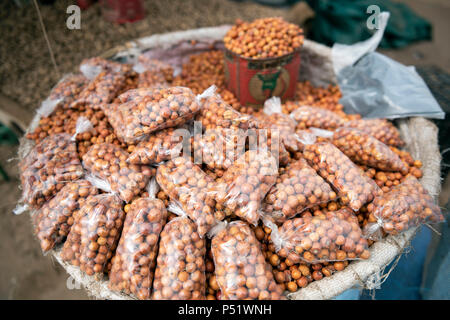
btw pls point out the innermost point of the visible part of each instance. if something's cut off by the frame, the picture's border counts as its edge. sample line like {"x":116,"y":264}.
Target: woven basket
{"x":419,"y":134}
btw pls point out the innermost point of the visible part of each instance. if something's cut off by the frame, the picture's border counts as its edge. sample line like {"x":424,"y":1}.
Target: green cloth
{"x":344,"y":21}
{"x":6,"y":137}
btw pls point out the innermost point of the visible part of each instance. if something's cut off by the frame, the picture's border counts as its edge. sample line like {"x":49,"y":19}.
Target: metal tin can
{"x":253,"y":81}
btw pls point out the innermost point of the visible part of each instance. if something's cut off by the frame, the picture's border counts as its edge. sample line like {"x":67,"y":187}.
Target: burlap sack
{"x":419,"y":134}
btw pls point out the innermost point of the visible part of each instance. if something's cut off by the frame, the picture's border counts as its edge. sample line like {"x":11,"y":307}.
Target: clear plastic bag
{"x":125,"y":131}
{"x":287,"y":132}
{"x":53,"y":221}
{"x":364,"y":149}
{"x":192,"y":189}
{"x":167,"y":107}
{"x":180,"y":266}
{"x":271,"y":140}
{"x":134,"y":262}
{"x":216,"y":174}
{"x":372,"y":92}
{"x":307,"y":116}
{"x":63,"y":93}
{"x":245,"y":184}
{"x":68,"y":88}
{"x":144,"y":111}
{"x":403,"y":207}
{"x":160,"y":146}
{"x":212,"y":288}
{"x":334,"y":236}
{"x":215,"y":112}
{"x":150,"y":77}
{"x":153,"y":73}
{"x":109,"y":162}
{"x":83,"y":125}
{"x":354,"y":187}
{"x":218,"y":148}
{"x":155,"y":66}
{"x":92,"y":67}
{"x":102,"y":90}
{"x":308,"y":136}
{"x":48,"y":167}
{"x":136,"y":95}
{"x":152,"y":80}
{"x":273,"y":118}
{"x":241,"y":269}
{"x":380,"y":129}
{"x":272,"y":106}
{"x":101,"y":157}
{"x":94,"y":235}
{"x":298,"y":188}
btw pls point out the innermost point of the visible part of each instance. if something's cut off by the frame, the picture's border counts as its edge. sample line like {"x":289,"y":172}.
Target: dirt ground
{"x":26,"y":274}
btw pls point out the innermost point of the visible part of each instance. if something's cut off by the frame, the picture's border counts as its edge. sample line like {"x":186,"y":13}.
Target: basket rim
{"x":393,"y":245}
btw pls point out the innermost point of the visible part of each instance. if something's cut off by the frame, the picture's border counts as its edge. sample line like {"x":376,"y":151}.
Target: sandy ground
{"x":26,"y":274}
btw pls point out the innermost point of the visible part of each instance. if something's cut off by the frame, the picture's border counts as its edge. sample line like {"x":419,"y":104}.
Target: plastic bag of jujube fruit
{"x":153,"y":73}
{"x":103,"y":88}
{"x":53,"y":221}
{"x":240,"y":267}
{"x":155,"y":66}
{"x":158,"y":147}
{"x":380,"y":129}
{"x":151,"y":80}
{"x":92,"y":67}
{"x":94,"y":235}
{"x":307,"y":116}
{"x":271,"y":140}
{"x":274,"y":118}
{"x":143,"y":111}
{"x":63,"y":93}
{"x":245,"y":184}
{"x":220,"y":119}
{"x":332,"y":236}
{"x":116,"y":118}
{"x":218,"y":148}
{"x":109,"y":162}
{"x":354,"y":187}
{"x":298,"y":188}
{"x":403,"y":207}
{"x":50,"y":165}
{"x":133,"y":264}
{"x":192,"y":189}
{"x":180,"y":266}
{"x":215,"y":112}
{"x":362,"y":148}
